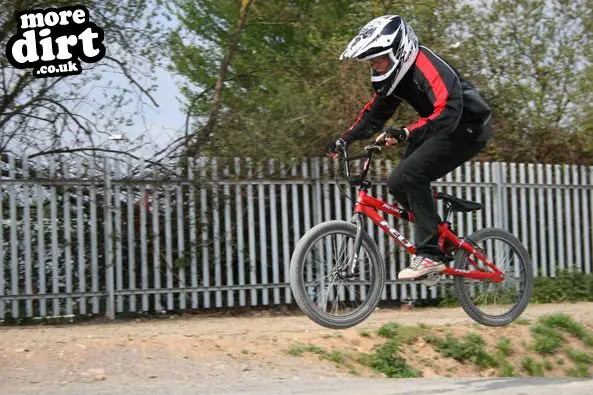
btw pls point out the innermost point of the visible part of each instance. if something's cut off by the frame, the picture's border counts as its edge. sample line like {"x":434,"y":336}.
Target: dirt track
{"x":229,"y":353}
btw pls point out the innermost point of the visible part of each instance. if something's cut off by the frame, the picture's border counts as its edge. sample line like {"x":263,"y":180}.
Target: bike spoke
{"x":493,"y":298}
{"x":327,"y":266}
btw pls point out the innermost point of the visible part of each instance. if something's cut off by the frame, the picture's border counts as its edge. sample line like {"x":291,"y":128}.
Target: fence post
{"x":109,"y":283}
{"x":498,"y":195}
{"x":2,"y":267}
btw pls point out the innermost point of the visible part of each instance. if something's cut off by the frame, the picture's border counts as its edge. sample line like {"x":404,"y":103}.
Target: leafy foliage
{"x":565,"y":322}
{"x":388,"y":331}
{"x":529,"y":57}
{"x":287,"y":94}
{"x":547,"y":339}
{"x":507,"y":369}
{"x":581,"y":357}
{"x":504,"y":346}
{"x":532,"y":367}
{"x":579,"y":370}
{"x":470,"y":348}
{"x":567,"y":285}
{"x":387,"y":359}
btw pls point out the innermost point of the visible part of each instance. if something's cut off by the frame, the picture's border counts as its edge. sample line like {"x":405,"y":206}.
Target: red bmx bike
{"x":337,"y":274}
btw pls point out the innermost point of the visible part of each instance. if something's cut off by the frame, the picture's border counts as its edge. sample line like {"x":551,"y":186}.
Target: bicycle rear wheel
{"x":319,"y":280}
{"x":490,"y":303}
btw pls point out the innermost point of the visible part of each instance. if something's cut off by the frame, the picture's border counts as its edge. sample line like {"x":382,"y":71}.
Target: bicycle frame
{"x":367,"y":206}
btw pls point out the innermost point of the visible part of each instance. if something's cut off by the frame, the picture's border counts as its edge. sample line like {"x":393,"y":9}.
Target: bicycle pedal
{"x":430,"y":280}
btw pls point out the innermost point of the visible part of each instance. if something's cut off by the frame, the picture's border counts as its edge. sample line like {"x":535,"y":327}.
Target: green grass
{"x":566,"y":323}
{"x":549,"y":334}
{"x":580,"y":356}
{"x":299,"y":349}
{"x":532,"y":367}
{"x":547,"y":364}
{"x":567,"y":285}
{"x":546,"y":339}
{"x":470,"y":348}
{"x":507,"y":369}
{"x":338,"y":357}
{"x":388,"y":360}
{"x":579,"y":370}
{"x":504,"y":346}
{"x":388,"y":331}
{"x":402,"y":334}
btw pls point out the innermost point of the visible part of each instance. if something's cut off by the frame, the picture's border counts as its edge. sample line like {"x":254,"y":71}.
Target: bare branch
{"x":97,"y":149}
{"x":70,"y":114}
{"x":69,"y":150}
{"x":132,"y":79}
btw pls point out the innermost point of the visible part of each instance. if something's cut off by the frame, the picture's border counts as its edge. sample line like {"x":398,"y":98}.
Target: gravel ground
{"x":203,"y":355}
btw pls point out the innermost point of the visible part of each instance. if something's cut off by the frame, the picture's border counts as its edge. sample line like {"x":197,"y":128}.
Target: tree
{"x":281,"y":78}
{"x":286,"y":94}
{"x":530,"y":57}
{"x":75,"y":111}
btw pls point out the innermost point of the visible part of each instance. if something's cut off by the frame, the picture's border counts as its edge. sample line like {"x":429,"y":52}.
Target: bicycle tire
{"x":297,"y":283}
{"x":463,"y":292}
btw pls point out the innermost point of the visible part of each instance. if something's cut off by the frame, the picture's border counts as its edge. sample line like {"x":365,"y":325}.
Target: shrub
{"x":387,"y":359}
{"x":469,"y":348}
{"x":532,"y":367}
{"x":504,"y":346}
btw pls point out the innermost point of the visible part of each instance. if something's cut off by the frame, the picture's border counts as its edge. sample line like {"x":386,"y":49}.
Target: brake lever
{"x":373,"y":147}
{"x":376,"y":145}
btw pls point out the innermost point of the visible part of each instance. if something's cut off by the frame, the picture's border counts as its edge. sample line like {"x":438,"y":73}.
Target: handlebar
{"x":360,"y":179}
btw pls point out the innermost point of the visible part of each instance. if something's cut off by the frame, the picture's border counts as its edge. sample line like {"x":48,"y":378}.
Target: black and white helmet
{"x":386,"y":35}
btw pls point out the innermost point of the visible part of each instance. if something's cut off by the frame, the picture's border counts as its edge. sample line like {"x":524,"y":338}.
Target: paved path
{"x":530,"y":386}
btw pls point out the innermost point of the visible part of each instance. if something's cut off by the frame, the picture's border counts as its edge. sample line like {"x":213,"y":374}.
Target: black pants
{"x":410,"y":182}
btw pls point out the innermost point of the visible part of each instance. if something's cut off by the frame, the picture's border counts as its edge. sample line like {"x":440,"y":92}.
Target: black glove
{"x":337,"y":146}
{"x":400,"y":134}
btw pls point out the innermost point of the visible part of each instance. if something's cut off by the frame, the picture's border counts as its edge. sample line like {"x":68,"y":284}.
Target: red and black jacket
{"x":431,"y":86}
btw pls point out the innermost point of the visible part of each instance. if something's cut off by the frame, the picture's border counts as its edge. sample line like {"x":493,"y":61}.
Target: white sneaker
{"x":421,"y":266}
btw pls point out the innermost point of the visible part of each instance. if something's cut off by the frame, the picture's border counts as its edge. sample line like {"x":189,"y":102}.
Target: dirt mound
{"x":242,"y":350}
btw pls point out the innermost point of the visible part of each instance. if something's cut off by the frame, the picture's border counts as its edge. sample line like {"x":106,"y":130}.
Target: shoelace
{"x":416,"y":262}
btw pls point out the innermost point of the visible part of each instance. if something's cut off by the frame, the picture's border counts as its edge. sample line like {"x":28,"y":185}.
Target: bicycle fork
{"x":357,"y":220}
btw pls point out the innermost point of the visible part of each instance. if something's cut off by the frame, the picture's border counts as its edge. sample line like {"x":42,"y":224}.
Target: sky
{"x":161,"y":124}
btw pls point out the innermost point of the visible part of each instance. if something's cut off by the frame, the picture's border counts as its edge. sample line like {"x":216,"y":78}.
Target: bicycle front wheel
{"x":321,"y":284}
{"x":490,"y":303}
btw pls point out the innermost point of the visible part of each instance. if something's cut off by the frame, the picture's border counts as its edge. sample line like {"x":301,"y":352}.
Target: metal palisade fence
{"x":99,"y":235}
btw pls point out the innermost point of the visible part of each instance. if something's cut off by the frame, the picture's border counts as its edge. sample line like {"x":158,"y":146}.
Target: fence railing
{"x":102,"y":236}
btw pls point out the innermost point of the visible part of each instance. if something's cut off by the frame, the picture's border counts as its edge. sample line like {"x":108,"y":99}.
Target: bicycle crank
{"x":430,"y":280}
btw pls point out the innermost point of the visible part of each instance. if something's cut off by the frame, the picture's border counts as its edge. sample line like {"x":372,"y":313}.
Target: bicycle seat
{"x":458,"y":204}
